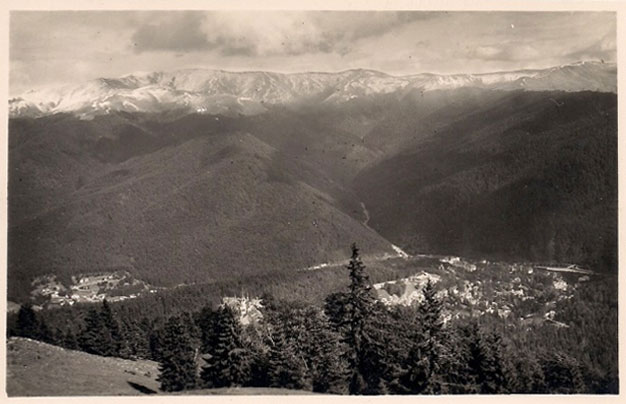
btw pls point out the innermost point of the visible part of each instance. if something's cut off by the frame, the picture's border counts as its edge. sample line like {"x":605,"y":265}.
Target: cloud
{"x":488,"y":52}
{"x":608,"y":43}
{"x":290,"y":33}
{"x":274,"y":33}
{"x":356,"y":25}
{"x":114,"y":43}
{"x":505,"y":52}
{"x":181,"y":32}
{"x":604,"y":49}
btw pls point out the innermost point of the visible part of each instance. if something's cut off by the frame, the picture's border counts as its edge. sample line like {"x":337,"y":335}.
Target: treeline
{"x":351,"y":345}
{"x":100,"y":332}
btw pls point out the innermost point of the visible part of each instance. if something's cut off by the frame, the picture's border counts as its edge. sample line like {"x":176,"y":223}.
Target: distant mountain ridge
{"x":250,"y":93}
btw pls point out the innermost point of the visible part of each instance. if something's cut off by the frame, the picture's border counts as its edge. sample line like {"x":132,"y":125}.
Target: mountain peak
{"x":249,"y":92}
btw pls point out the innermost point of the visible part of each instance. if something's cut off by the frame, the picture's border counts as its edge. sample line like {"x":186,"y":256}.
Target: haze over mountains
{"x":199,"y":175}
{"x":216,"y":91}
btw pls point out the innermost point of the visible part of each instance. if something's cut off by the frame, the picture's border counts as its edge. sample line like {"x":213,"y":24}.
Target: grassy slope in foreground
{"x":35,"y":368}
{"x":38,"y":369}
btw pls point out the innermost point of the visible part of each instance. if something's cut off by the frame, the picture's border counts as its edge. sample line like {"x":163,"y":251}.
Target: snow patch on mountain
{"x":248,"y":93}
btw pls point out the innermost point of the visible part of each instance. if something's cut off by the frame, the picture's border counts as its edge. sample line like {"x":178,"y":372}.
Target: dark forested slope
{"x":196,"y":209}
{"x":177,"y":198}
{"x":531,"y":176}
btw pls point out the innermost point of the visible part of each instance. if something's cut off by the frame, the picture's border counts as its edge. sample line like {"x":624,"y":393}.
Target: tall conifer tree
{"x":113,"y":337}
{"x":363,"y":354}
{"x":27,"y":322}
{"x":101,"y":335}
{"x":177,"y":366}
{"x":228,"y":362}
{"x":286,"y":367}
{"x":424,"y":360}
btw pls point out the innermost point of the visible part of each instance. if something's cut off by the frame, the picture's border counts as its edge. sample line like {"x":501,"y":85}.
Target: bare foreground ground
{"x":38,"y":369}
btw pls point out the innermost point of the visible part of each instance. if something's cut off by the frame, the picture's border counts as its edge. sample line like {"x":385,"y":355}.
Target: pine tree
{"x":454,"y":376}
{"x":177,"y":365}
{"x":112,"y":337}
{"x":69,"y":339}
{"x":363,"y":354}
{"x":44,"y":333}
{"x":259,"y":359}
{"x":335,"y":308}
{"x":423,"y":373}
{"x":286,"y":367}
{"x":485,"y":361}
{"x":562,"y":373}
{"x":493,"y":380}
{"x":432,"y":324}
{"x":207,"y":323}
{"x":329,"y":376}
{"x":430,"y":311}
{"x":155,"y":343}
{"x":101,"y":335}
{"x":305,"y":352}
{"x":325,"y":353}
{"x":27,"y":323}
{"x":144,"y":329}
{"x":92,"y":338}
{"x":528,"y":375}
{"x":240,"y":360}
{"x":375,"y":359}
{"x":228,"y":362}
{"x":134,"y":341}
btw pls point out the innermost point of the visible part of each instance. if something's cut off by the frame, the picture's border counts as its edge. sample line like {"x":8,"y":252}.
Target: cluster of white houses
{"x":88,"y":288}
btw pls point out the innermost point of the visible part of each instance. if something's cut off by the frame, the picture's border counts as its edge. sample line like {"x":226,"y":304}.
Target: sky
{"x":63,"y":47}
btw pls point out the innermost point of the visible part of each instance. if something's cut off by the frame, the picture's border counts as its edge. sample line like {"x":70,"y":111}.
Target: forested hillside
{"x":532,"y":176}
{"x":509,"y":175}
{"x":213,"y":206}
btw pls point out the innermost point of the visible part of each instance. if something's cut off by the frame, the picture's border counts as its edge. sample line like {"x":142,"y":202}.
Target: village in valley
{"x":525,"y":292}
{"x":49,"y":291}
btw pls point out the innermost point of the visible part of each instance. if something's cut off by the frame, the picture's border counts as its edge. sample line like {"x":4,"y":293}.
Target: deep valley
{"x":149,"y":206}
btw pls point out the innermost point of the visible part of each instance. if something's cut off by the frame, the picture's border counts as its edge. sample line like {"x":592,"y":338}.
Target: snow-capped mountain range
{"x":217,"y":91}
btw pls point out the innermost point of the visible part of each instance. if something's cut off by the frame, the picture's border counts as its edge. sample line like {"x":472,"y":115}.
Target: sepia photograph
{"x":311,"y":202}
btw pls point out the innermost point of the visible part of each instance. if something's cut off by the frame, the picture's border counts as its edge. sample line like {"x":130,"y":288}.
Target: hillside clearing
{"x":38,"y":369}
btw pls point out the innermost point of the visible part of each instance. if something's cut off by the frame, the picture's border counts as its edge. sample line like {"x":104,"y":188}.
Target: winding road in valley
{"x":398,"y":252}
{"x":367,"y":215}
